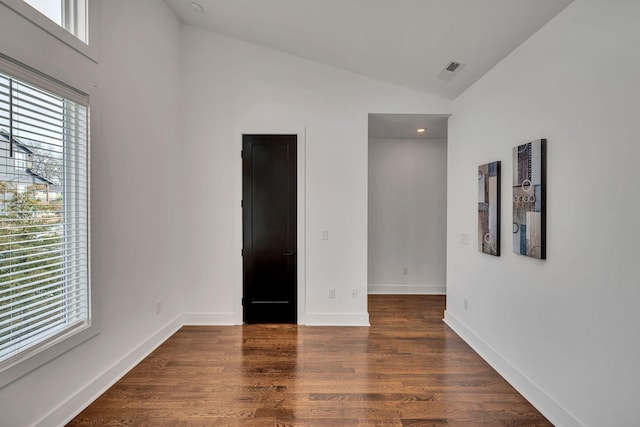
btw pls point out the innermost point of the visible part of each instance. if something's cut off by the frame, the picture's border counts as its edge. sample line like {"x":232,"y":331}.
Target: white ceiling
{"x":405,"y":42}
{"x":405,"y":125}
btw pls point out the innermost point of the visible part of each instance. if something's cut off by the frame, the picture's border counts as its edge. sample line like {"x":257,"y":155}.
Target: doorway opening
{"x":407,"y":201}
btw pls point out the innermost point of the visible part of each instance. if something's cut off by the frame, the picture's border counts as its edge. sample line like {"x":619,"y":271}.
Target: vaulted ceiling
{"x":404,"y":42}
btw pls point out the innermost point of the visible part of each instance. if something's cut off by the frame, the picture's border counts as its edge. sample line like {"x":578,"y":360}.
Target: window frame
{"x":86,"y":46}
{"x":34,"y":358}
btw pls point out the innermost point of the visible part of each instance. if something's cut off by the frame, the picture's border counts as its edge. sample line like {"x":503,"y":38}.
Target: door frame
{"x":300,"y":220}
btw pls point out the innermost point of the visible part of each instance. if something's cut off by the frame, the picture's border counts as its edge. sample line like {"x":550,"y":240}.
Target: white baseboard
{"x":408,"y":289}
{"x":71,"y":407}
{"x":554,"y":412}
{"x":209,"y":319}
{"x":333,"y":319}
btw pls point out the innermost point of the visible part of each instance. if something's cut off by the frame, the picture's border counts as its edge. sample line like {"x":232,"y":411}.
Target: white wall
{"x":407,"y":216}
{"x":228,"y":84}
{"x":563,"y":330}
{"x":136,"y":221}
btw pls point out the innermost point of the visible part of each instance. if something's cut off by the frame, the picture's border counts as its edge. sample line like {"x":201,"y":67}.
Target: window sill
{"x":24,"y":366}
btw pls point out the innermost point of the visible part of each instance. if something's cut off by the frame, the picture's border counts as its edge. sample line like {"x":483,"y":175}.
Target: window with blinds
{"x":44,"y":279}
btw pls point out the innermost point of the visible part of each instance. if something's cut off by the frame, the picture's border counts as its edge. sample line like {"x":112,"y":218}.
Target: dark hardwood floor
{"x":407,"y":369}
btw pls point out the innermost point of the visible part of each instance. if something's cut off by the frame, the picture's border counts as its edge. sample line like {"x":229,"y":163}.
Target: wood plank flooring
{"x":407,"y":370}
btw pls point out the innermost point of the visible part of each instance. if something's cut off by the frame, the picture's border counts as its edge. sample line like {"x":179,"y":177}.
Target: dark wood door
{"x":269,"y":193}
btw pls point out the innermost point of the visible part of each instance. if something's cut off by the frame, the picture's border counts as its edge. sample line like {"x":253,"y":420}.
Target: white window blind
{"x":44,"y":278}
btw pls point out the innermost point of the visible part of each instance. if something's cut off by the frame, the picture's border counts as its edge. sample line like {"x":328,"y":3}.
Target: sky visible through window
{"x":51,"y":8}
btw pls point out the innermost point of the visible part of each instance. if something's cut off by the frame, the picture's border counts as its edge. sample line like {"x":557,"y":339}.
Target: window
{"x":51,"y":9}
{"x":69,"y":14}
{"x":44,"y":250}
{"x":21,"y":160}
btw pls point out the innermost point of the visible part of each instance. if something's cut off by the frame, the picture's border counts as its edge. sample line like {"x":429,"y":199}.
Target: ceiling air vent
{"x":450,"y":70}
{"x":453,"y":66}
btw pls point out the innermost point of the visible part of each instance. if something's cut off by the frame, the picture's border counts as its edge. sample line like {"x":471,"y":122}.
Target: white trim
{"x":407,"y":289}
{"x":41,"y":21}
{"x":300,"y":146}
{"x":26,"y":74}
{"x":554,"y":412}
{"x":337,"y":319}
{"x":45,"y":354}
{"x":70,"y":408}
{"x":209,"y":319}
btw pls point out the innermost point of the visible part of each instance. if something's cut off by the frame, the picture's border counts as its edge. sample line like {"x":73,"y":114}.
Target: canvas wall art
{"x":489,"y":208}
{"x":529,"y":199}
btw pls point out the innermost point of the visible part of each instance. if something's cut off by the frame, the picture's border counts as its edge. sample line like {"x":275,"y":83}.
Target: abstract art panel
{"x":529,"y":199}
{"x":489,"y":208}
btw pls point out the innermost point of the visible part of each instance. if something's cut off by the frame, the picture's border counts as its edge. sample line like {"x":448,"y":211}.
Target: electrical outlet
{"x":158,"y":307}
{"x":354,"y":293}
{"x":466,"y":304}
{"x":405,"y":271}
{"x":332,"y":293}
{"x":325,"y":234}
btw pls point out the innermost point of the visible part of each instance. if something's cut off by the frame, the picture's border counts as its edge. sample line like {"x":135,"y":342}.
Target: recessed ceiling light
{"x":421,"y":130}
{"x":197,"y":7}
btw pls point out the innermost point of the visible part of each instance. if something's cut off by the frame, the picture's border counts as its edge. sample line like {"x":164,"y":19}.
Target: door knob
{"x":289,"y":253}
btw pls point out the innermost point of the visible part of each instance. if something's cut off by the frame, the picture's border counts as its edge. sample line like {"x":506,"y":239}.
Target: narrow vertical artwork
{"x":489,"y":208}
{"x":529,"y":199}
